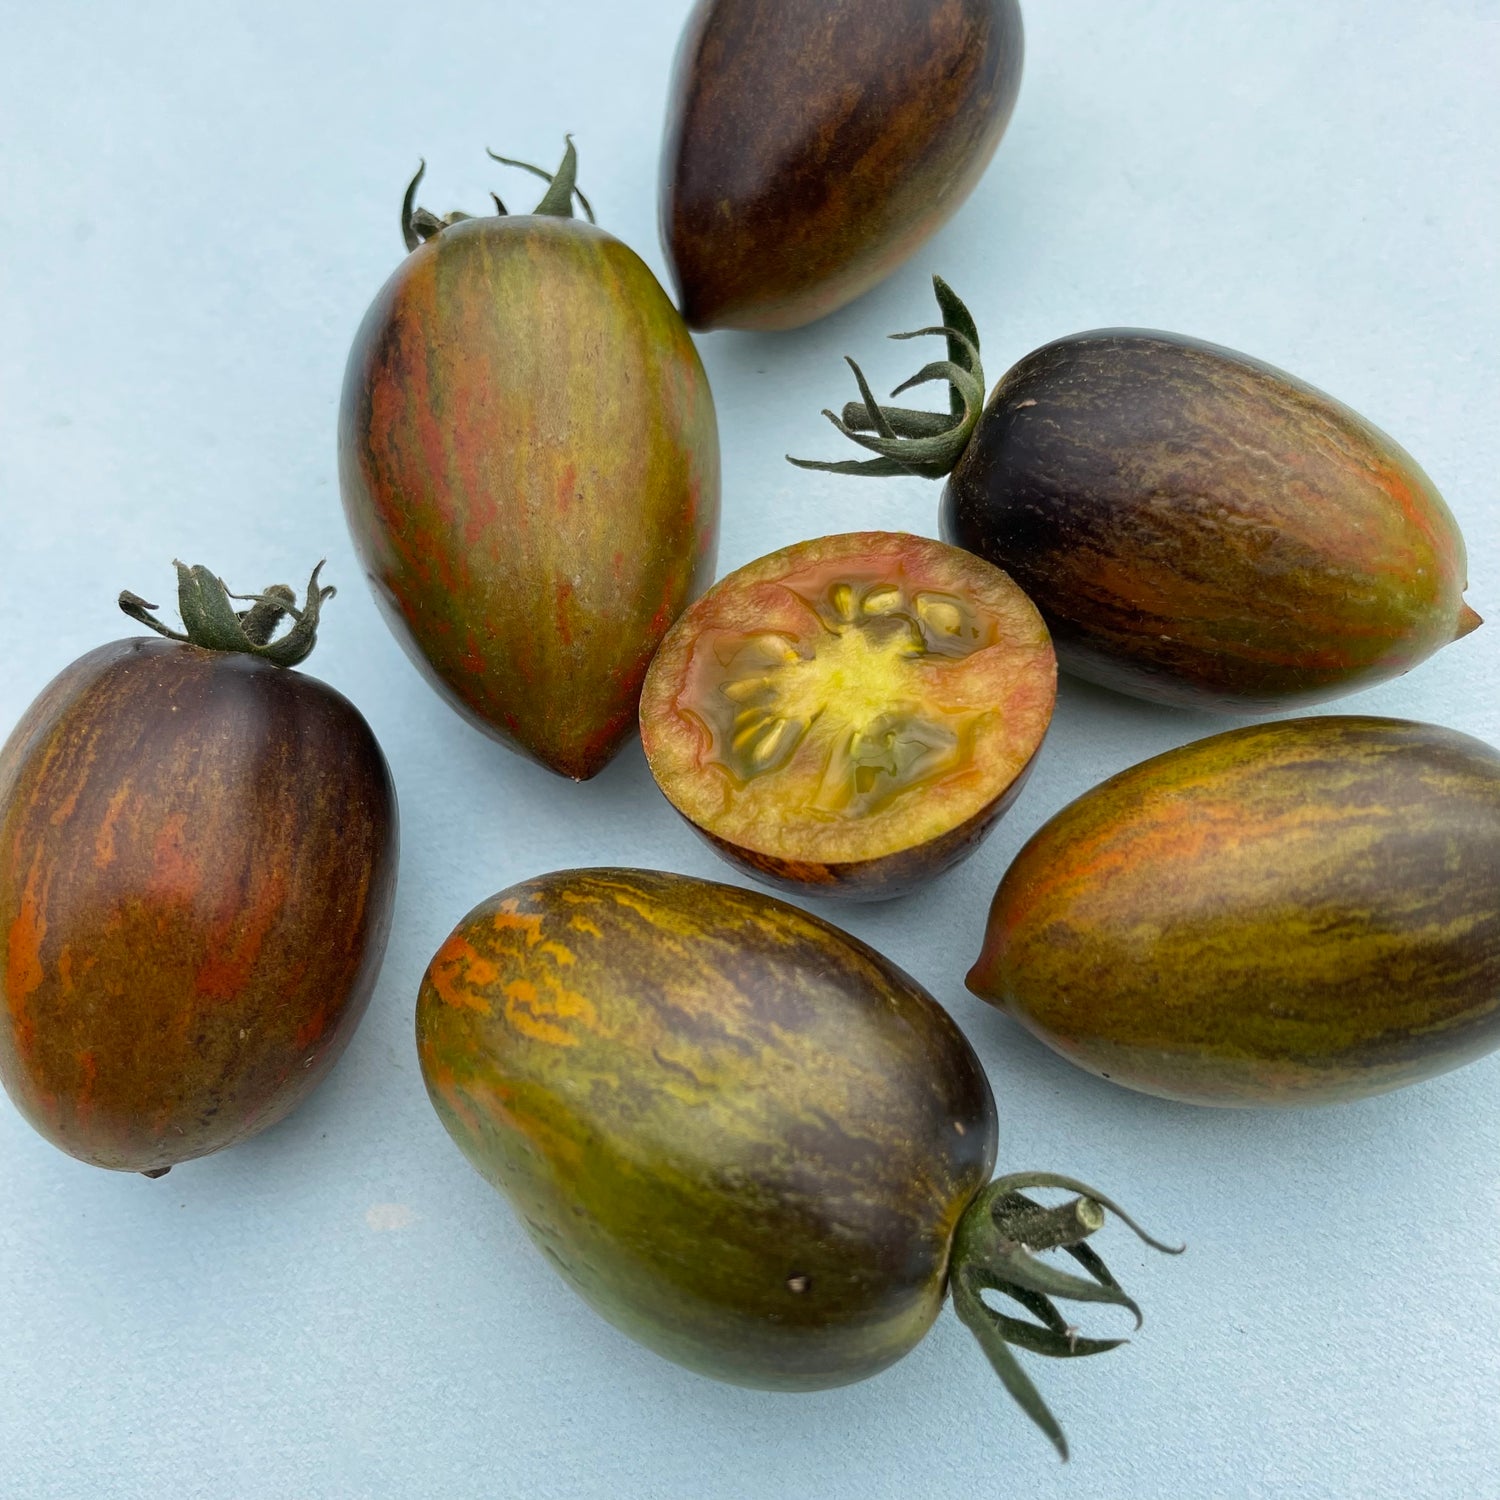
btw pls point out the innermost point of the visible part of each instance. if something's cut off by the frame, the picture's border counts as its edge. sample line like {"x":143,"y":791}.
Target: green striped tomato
{"x":747,"y":1139}
{"x":1292,"y":913}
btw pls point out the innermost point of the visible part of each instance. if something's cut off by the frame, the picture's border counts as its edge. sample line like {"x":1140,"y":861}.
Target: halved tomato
{"x":850,"y":714}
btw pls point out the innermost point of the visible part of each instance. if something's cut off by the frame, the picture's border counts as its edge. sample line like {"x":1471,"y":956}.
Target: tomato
{"x":529,"y":464}
{"x":813,"y":147}
{"x":1293,"y":913}
{"x":1195,"y":526}
{"x":198,"y":854}
{"x":850,"y":715}
{"x":744,"y":1137}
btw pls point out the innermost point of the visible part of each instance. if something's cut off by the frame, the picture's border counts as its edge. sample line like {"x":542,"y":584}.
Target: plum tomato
{"x":1293,"y":913}
{"x":1196,"y":527}
{"x":529,"y":464}
{"x":197,"y":866}
{"x":812,"y":146}
{"x":850,"y":715}
{"x":745,"y":1138}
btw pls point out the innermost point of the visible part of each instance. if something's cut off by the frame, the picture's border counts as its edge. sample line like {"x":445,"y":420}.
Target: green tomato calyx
{"x":210,"y":620}
{"x":418,"y":225}
{"x":909,"y":441}
{"x":995,"y":1249}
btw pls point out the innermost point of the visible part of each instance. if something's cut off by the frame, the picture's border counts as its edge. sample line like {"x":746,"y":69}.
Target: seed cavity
{"x":860,"y":687}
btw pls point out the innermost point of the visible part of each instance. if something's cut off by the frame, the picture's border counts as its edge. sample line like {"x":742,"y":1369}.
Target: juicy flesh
{"x":870,"y":711}
{"x":853,"y":687}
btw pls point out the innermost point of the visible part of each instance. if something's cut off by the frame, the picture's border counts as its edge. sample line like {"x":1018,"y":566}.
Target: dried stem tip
{"x":210,"y":620}
{"x":419,"y":225}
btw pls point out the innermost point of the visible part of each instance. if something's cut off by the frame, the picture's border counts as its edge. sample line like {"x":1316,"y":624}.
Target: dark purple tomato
{"x":1196,"y":527}
{"x":814,"y":145}
{"x":197,"y":865}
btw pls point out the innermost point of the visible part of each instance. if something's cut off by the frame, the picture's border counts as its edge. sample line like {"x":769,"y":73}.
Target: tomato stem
{"x":419,"y":225}
{"x":995,"y":1249}
{"x":558,"y":200}
{"x":908,"y":440}
{"x":211,"y":621}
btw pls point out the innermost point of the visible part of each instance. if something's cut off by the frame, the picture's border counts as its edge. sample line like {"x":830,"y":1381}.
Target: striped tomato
{"x":812,"y":147}
{"x":1196,"y":526}
{"x":529,"y":463}
{"x":1292,"y":913}
{"x":197,"y":867}
{"x":744,"y":1137}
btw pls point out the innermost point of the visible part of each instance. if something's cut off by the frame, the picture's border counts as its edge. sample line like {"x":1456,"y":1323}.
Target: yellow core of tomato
{"x":854,"y":686}
{"x":848,"y":698}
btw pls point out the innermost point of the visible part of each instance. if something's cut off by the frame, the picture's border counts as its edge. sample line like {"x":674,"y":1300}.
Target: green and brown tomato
{"x":813,"y":145}
{"x":850,"y":715}
{"x":197,"y":866}
{"x":1195,"y":526}
{"x":1292,"y":913}
{"x":744,"y":1137}
{"x":529,"y":464}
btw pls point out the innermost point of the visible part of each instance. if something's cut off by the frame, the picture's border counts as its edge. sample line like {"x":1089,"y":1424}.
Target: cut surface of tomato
{"x":848,"y":699}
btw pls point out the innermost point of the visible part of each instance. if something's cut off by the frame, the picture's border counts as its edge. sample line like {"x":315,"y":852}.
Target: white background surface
{"x":198,"y":202}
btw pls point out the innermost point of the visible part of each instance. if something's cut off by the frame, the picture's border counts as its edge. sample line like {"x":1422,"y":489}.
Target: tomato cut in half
{"x":850,"y":714}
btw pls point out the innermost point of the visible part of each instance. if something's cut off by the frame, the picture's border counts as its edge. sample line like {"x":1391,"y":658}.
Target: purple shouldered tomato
{"x":197,"y":866}
{"x":1195,"y":526}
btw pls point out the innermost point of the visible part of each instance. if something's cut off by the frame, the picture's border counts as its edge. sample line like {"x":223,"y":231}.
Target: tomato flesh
{"x":848,"y":698}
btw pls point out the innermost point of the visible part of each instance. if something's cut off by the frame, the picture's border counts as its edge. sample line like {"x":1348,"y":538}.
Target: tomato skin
{"x":197,"y":868}
{"x":1292,"y":913}
{"x":741,"y":1135}
{"x":881,"y":879}
{"x":812,"y":146}
{"x":1200,"y":528}
{"x":528,"y":458}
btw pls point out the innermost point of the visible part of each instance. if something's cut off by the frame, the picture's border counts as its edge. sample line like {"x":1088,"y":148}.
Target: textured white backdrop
{"x":198,"y":202}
